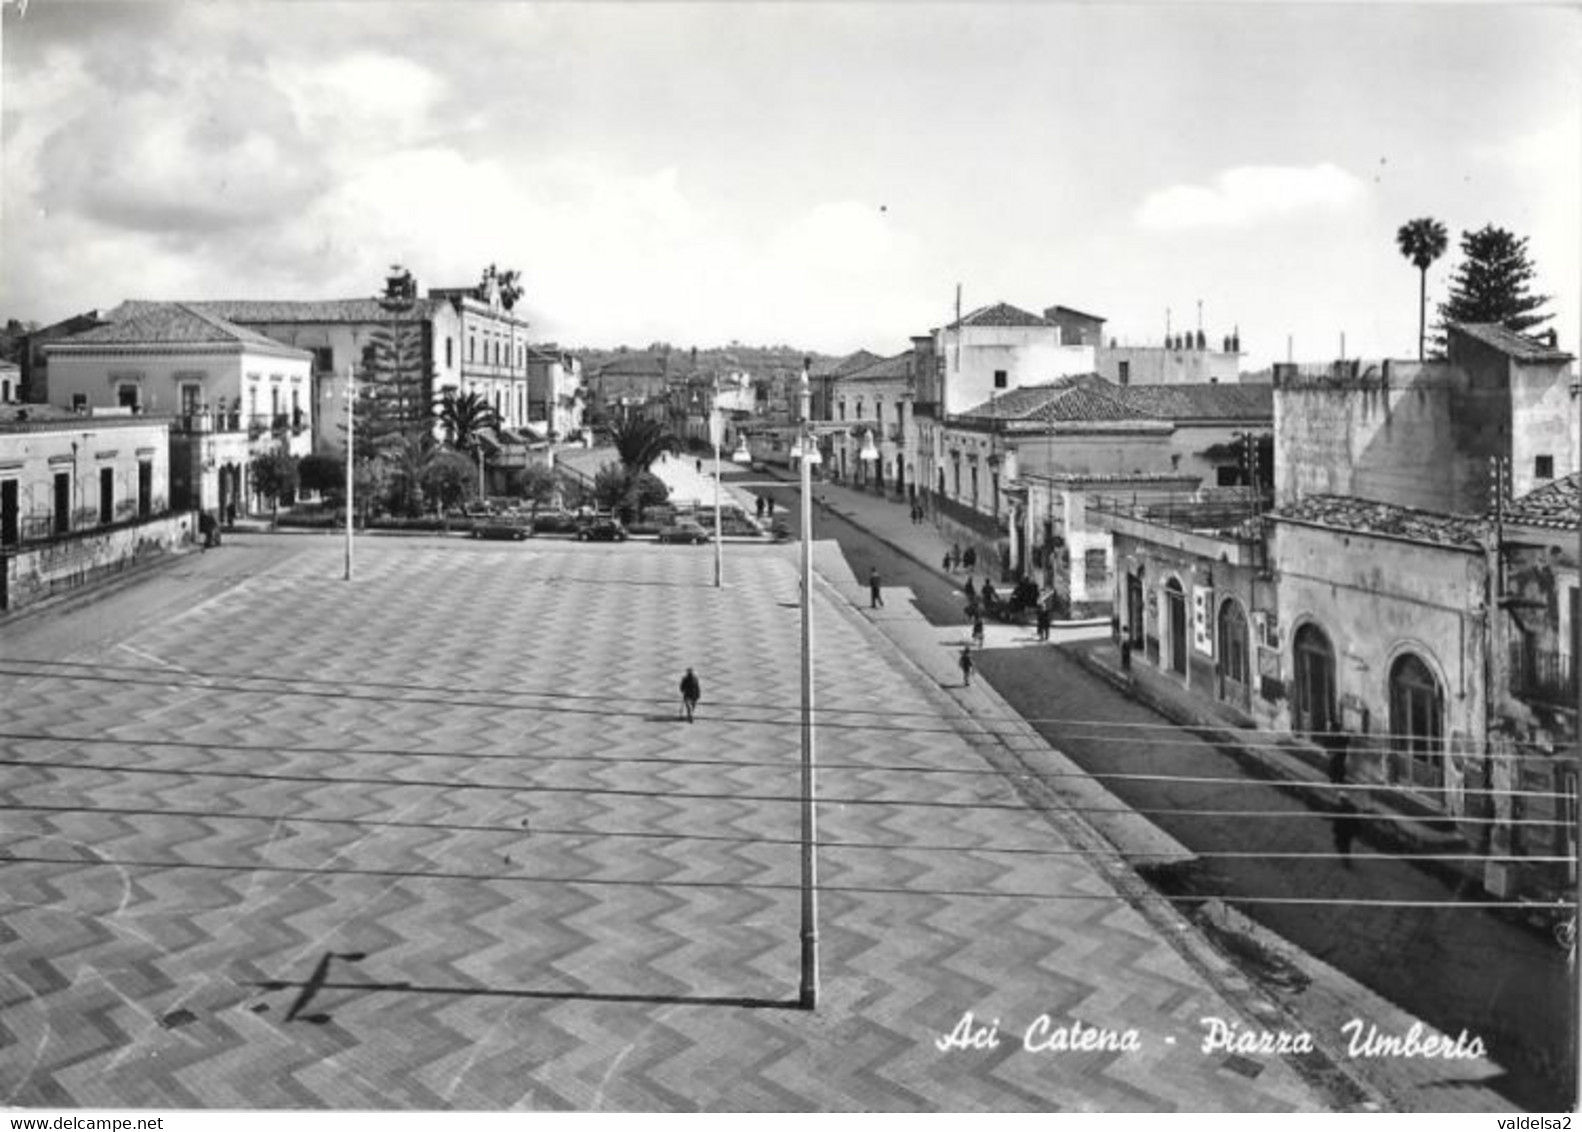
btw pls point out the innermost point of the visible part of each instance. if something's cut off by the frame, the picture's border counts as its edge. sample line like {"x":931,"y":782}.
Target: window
{"x":1227,"y":475}
{"x":106,"y":495}
{"x":145,"y":488}
{"x":10,"y":513}
{"x":449,"y":360}
{"x":472,"y":348}
{"x":1126,"y":372}
{"x":79,"y":402}
{"x":323,"y":359}
{"x":296,"y":410}
{"x":1544,"y":467}
{"x":62,"y":502}
{"x":1000,"y":378}
{"x":1417,"y":722}
{"x":842,"y":407}
{"x":126,"y":396}
{"x":878,"y":411}
{"x":191,"y":397}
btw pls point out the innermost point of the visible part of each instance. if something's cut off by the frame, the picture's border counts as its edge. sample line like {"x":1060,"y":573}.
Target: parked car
{"x":502,"y":526}
{"x":684,"y":531}
{"x":602,"y":530}
{"x":555,"y":522}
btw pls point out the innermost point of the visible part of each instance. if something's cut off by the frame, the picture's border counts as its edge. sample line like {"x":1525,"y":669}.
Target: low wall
{"x":33,"y":573}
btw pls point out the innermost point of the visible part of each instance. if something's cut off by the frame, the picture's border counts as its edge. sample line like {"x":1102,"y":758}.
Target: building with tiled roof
{"x":875,"y":401}
{"x":1082,"y":397}
{"x":1202,"y":402}
{"x":1001,"y":314}
{"x":183,"y":325}
{"x":1427,"y":434}
{"x":1364,"y":516}
{"x":823,"y":373}
{"x":998,"y":348}
{"x":1522,"y":348}
{"x":1556,"y":506}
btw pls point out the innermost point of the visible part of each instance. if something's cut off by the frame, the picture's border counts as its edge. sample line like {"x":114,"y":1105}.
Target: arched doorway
{"x":1175,"y":602}
{"x":1417,"y":722}
{"x":1233,"y":661}
{"x":1313,"y":697}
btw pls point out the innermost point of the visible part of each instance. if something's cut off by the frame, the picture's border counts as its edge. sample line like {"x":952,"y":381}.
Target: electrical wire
{"x":777,"y":886}
{"x":1350,"y":788}
{"x":736,"y":796}
{"x":582,"y":833}
{"x":885,"y":720}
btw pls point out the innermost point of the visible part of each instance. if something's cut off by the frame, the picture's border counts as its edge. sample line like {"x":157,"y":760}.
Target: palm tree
{"x":1422,"y":241}
{"x":639,"y":441}
{"x":464,"y":416}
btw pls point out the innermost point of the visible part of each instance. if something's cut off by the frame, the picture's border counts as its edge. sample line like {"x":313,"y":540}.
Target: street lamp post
{"x":809,"y":995}
{"x":351,"y":445}
{"x":716,"y":431}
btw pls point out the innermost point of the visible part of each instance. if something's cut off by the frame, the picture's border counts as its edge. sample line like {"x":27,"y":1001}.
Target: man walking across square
{"x":691,"y":693}
{"x":875,"y":597}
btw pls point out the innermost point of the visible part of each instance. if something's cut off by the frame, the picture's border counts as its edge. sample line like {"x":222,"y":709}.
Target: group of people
{"x":958,"y":559}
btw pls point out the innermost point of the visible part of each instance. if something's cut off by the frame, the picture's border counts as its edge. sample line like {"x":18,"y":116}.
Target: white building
{"x":1001,"y":347}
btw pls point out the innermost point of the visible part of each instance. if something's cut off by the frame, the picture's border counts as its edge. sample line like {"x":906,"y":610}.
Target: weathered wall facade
{"x":1404,"y":625}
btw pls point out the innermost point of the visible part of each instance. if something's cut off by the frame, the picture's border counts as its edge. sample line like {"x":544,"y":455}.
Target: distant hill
{"x":760,"y":361}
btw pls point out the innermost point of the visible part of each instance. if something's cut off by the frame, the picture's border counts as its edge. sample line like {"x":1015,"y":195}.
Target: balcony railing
{"x":1544,"y":676}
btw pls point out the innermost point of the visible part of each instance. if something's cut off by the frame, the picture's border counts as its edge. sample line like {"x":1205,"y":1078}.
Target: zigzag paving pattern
{"x":437,"y":839}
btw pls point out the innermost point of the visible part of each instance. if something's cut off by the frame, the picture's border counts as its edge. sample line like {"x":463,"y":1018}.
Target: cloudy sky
{"x":821,"y":174}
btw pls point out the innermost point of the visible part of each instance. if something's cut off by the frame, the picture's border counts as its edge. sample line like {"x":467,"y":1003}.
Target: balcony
{"x":1544,"y":677}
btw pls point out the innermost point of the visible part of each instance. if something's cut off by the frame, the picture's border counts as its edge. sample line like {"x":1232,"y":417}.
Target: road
{"x":1456,"y":968}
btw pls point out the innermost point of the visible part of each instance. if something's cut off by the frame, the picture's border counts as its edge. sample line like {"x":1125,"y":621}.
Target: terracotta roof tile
{"x":1522,"y":347}
{"x":167,"y":324}
{"x":1002,"y":314}
{"x":1200,"y":401}
{"x":882,"y":369}
{"x":1556,"y":506}
{"x":1347,"y":513}
{"x":840,"y":367}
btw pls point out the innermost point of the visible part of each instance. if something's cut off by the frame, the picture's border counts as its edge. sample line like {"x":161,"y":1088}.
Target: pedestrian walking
{"x":691,"y":693}
{"x":969,"y":559}
{"x":875,"y":597}
{"x":760,"y":505}
{"x":971,"y":591}
{"x":1043,"y":622}
{"x":947,"y":562}
{"x":1345,"y":823}
{"x":966,"y":666}
{"x":977,"y":629}
{"x":955,"y":555}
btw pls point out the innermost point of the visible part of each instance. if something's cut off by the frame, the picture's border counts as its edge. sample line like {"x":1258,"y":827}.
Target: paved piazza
{"x":437,"y":839}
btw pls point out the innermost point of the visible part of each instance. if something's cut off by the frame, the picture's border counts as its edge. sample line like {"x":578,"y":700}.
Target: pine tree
{"x":1490,"y":284}
{"x":395,"y":388}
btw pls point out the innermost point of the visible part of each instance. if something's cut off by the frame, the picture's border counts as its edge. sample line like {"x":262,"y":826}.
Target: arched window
{"x":1313,"y":698}
{"x":1232,"y":634}
{"x":1417,"y":714}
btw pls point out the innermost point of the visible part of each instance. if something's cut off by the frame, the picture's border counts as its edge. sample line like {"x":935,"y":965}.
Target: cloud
{"x":1251,"y":195}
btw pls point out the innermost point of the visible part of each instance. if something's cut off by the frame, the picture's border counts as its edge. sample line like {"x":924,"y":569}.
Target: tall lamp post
{"x":809,"y":995}
{"x":351,"y":446}
{"x":716,"y":434}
